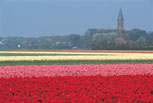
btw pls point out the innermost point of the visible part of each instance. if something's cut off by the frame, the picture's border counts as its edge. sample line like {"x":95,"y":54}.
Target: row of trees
{"x":51,"y":42}
{"x":92,"y":39}
{"x":134,"y":39}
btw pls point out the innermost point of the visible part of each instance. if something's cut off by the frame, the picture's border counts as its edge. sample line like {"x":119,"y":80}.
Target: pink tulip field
{"x":76,"y":70}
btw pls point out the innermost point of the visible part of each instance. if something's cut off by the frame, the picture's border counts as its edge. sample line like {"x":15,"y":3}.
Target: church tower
{"x":120,"y":22}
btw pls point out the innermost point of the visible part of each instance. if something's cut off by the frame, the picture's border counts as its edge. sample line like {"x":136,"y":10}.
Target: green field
{"x":72,"y":62}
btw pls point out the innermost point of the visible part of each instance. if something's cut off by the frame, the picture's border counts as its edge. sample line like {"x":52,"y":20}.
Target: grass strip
{"x":32,"y":54}
{"x":73,"y":62}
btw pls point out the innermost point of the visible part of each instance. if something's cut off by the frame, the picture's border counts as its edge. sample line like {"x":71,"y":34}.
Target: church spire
{"x":120,"y":16}
{"x":120,"y":21}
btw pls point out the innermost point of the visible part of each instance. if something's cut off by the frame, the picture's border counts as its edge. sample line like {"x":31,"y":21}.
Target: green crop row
{"x":32,"y":54}
{"x":72,"y":62}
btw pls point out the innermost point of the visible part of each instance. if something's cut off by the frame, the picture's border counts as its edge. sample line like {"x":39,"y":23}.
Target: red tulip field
{"x":84,"y":89}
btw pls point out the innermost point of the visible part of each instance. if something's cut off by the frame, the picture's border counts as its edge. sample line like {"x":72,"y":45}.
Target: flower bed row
{"x":76,"y":70}
{"x":83,"y":89}
{"x":80,"y":57}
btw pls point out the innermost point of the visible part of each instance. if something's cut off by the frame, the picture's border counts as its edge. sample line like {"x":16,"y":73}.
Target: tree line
{"x":93,"y":39}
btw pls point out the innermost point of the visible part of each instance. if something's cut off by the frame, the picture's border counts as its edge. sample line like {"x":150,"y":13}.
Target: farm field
{"x":73,"y":57}
{"x":76,"y":76}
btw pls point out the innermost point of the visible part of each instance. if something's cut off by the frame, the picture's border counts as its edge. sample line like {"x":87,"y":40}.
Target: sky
{"x":61,"y":17}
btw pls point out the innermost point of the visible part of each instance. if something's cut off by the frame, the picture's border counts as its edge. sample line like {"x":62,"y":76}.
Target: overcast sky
{"x":61,"y":17}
